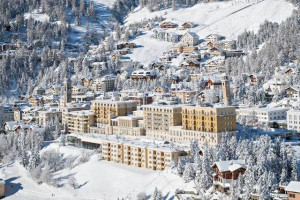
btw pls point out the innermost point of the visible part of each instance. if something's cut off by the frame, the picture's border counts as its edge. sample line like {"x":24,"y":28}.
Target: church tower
{"x":67,"y":89}
{"x":226,"y":90}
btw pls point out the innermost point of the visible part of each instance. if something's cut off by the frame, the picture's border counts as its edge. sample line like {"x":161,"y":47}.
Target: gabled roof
{"x":297,"y":88}
{"x":293,"y":186}
{"x":230,"y":165}
{"x":192,"y":34}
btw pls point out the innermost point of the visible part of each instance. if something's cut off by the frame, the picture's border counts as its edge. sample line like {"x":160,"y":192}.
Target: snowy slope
{"x":149,"y":49}
{"x":225,"y":18}
{"x":97,"y":179}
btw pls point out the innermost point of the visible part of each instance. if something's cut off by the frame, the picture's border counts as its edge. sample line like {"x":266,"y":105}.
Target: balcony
{"x":222,"y":182}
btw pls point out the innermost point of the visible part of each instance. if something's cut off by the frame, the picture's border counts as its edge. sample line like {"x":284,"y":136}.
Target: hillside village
{"x":213,"y":111}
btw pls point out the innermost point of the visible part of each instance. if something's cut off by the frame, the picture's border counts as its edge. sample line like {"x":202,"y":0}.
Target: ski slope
{"x":225,"y":18}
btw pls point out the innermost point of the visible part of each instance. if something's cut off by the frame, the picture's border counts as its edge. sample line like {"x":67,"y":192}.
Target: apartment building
{"x":127,"y":125}
{"x":105,"y":84}
{"x":264,"y":115}
{"x":48,"y":116}
{"x":6,"y":114}
{"x":293,"y":120}
{"x":105,"y":110}
{"x":186,"y":96}
{"x":155,"y":155}
{"x":158,"y":119}
{"x":209,"y":119}
{"x":78,"y":121}
{"x":204,"y":124}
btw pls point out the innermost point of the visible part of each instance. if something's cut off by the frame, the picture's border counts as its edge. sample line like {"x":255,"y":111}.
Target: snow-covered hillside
{"x":225,"y":18}
{"x":96,"y":179}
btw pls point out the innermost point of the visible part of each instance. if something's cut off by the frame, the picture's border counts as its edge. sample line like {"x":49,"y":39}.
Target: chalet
{"x":167,"y":25}
{"x":195,"y":55}
{"x":190,"y":64}
{"x":226,"y":172}
{"x":55,"y":89}
{"x":213,"y":82}
{"x":143,"y":75}
{"x":78,"y":89}
{"x":39,"y":91}
{"x":216,"y":51}
{"x":51,"y":99}
{"x":190,"y":39}
{"x":256,"y":79}
{"x":161,"y":89}
{"x":18,"y":127}
{"x":215,"y":65}
{"x":293,"y":190}
{"x":159,"y":66}
{"x":86,"y":82}
{"x":129,"y":45}
{"x":189,"y":49}
{"x":178,"y":48}
{"x":212,"y":44}
{"x":36,"y":100}
{"x":213,"y":37}
{"x":293,"y":92}
{"x":187,"y":25}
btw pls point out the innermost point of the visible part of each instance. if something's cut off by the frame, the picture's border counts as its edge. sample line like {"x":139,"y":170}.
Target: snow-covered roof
{"x":230,"y":165}
{"x":293,"y":186}
{"x":138,"y":142}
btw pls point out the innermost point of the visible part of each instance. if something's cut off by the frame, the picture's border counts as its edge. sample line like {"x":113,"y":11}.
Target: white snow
{"x":224,"y":18}
{"x":149,"y":49}
{"x":97,"y":180}
{"x":38,"y":16}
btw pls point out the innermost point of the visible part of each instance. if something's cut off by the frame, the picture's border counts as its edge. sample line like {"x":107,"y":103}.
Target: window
{"x":292,"y":195}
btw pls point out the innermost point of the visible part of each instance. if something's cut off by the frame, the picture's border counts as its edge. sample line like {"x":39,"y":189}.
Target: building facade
{"x":153,"y":155}
{"x":293,"y":120}
{"x":104,"y":84}
{"x":78,"y":121}
{"x":158,"y":119}
{"x":105,"y":110}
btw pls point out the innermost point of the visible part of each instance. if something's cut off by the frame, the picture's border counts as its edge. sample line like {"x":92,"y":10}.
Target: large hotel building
{"x":158,"y":119}
{"x":78,"y":121}
{"x":205,"y":124}
{"x":155,"y":155}
{"x":104,"y":110}
{"x":181,"y":123}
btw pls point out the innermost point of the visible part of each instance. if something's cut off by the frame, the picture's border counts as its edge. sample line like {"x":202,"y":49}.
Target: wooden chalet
{"x":187,"y":25}
{"x":167,"y":25}
{"x":226,"y":172}
{"x":293,"y":92}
